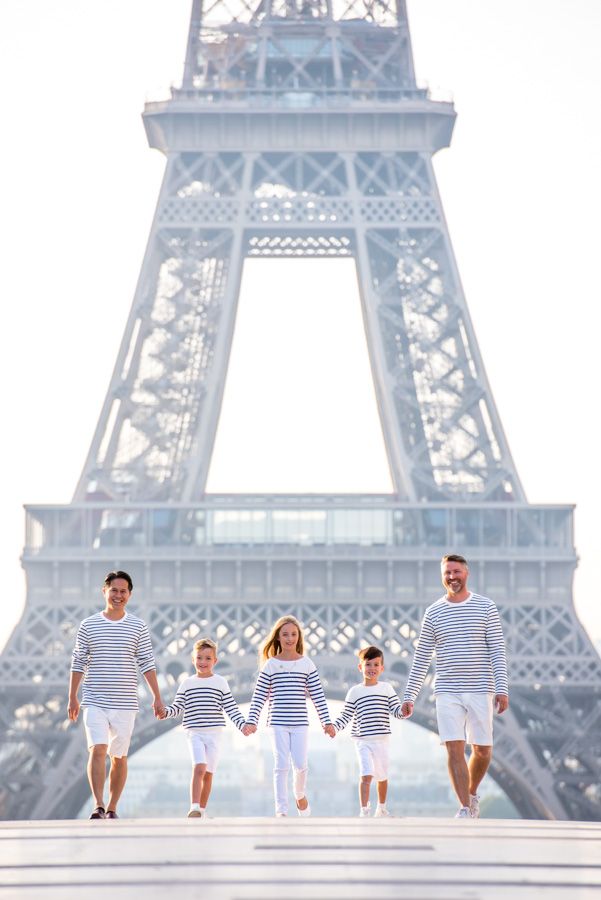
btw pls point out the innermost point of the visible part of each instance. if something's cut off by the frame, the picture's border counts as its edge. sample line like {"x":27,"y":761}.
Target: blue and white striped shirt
{"x":370,"y":707}
{"x":467,"y":638}
{"x":110,"y":653}
{"x":202,"y":701}
{"x":286,"y":683}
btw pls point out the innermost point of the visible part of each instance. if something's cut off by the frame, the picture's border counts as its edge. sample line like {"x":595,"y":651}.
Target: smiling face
{"x":288,"y":637}
{"x":204,"y":660}
{"x":371,"y":669}
{"x":454,"y":578}
{"x":116,"y":595}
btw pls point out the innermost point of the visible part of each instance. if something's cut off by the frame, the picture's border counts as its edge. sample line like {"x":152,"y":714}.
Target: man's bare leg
{"x":97,"y":772}
{"x":117,"y":779}
{"x":458,"y":771}
{"x":382,"y":791}
{"x":478,"y":765}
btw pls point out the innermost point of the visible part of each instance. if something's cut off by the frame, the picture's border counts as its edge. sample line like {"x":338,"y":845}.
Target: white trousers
{"x":373,"y":757}
{"x":465,"y":717}
{"x":204,"y":747}
{"x":289,"y":743}
{"x":109,"y":726}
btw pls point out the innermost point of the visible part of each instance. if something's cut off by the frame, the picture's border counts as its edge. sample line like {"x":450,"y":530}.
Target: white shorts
{"x":113,"y":727}
{"x":373,"y":757}
{"x":465,"y":717}
{"x":204,"y":747}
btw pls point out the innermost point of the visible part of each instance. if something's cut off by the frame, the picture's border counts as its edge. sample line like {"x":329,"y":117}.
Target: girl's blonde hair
{"x":204,"y":642}
{"x":271,"y":645}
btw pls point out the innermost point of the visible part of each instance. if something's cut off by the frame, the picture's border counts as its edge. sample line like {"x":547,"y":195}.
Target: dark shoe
{"x":98,"y":813}
{"x":111,"y":814}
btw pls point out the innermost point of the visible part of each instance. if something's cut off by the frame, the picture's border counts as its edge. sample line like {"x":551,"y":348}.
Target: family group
{"x":462,"y":630}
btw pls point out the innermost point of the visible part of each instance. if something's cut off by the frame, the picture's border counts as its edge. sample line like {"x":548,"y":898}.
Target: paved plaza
{"x":312,"y":859}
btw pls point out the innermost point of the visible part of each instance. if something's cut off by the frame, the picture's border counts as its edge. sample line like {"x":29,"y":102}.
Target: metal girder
{"x":435,"y":404}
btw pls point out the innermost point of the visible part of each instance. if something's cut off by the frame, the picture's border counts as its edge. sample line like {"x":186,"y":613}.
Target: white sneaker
{"x":475,"y":806}
{"x":364,"y":812}
{"x":304,"y":812}
{"x":195,"y":814}
{"x":281,"y":815}
{"x":463,"y":813}
{"x":382,"y":812}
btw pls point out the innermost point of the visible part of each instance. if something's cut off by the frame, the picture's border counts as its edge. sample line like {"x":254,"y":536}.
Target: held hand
{"x":158,"y":708}
{"x":501,"y":702}
{"x":329,"y":729}
{"x":162,"y":713}
{"x":250,"y":728}
{"x":73,"y":709}
{"x":407,"y":709}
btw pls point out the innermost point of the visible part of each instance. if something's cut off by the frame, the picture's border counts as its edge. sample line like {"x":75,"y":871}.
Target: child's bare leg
{"x":382,"y":791}
{"x":364,"y":788}
{"x":207,"y":784}
{"x":196,"y":784}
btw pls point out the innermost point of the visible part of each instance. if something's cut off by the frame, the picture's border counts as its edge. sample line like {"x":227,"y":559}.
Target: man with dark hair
{"x":464,"y":630}
{"x":109,"y":649}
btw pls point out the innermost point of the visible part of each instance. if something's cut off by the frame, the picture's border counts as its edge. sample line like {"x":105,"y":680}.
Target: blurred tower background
{"x":299,"y":131}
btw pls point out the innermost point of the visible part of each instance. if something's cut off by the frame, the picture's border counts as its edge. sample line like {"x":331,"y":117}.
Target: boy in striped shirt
{"x":202,"y":698}
{"x":370,"y":706}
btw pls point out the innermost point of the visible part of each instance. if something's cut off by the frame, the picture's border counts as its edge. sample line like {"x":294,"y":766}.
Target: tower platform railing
{"x":280,"y":521}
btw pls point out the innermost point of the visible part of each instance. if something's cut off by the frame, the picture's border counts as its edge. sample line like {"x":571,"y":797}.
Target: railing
{"x":229,"y":521}
{"x":292,"y":97}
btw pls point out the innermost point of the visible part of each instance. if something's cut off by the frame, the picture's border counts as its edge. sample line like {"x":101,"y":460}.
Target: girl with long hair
{"x":287,"y":676}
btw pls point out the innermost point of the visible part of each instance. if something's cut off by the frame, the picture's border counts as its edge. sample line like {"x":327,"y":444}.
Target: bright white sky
{"x":521,"y":186}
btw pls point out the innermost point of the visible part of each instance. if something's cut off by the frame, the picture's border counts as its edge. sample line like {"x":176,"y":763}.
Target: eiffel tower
{"x":299,"y":131}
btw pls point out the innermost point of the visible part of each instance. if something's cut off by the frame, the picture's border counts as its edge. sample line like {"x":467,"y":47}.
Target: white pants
{"x":112,"y":727}
{"x":373,"y":756}
{"x":204,"y":747}
{"x":465,"y":717}
{"x":289,"y":743}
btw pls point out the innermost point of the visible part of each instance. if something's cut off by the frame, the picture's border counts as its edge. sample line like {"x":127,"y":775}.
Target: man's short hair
{"x":205,"y":642}
{"x":118,"y":574}
{"x":454,"y":557}
{"x":371,"y":653}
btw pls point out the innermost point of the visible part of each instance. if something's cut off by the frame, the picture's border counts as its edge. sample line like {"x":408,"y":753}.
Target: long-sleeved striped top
{"x":286,"y":684}
{"x":202,"y":701}
{"x":110,"y":653}
{"x":370,"y":707}
{"x":467,"y":638}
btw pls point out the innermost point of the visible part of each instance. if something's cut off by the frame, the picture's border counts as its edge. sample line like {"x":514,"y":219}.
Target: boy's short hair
{"x":371,"y":653}
{"x":205,"y":642}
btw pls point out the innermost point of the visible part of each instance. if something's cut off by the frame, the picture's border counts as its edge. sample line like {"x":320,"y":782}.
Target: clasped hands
{"x":247,"y":729}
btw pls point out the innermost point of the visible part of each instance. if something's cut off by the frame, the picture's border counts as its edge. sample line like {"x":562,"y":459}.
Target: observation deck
{"x":297,"y":525}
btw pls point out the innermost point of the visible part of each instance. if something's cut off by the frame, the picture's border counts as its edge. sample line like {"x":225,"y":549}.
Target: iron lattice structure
{"x":299,"y":130}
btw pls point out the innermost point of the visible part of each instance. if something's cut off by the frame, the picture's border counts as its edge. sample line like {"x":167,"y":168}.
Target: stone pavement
{"x":304,"y":859}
